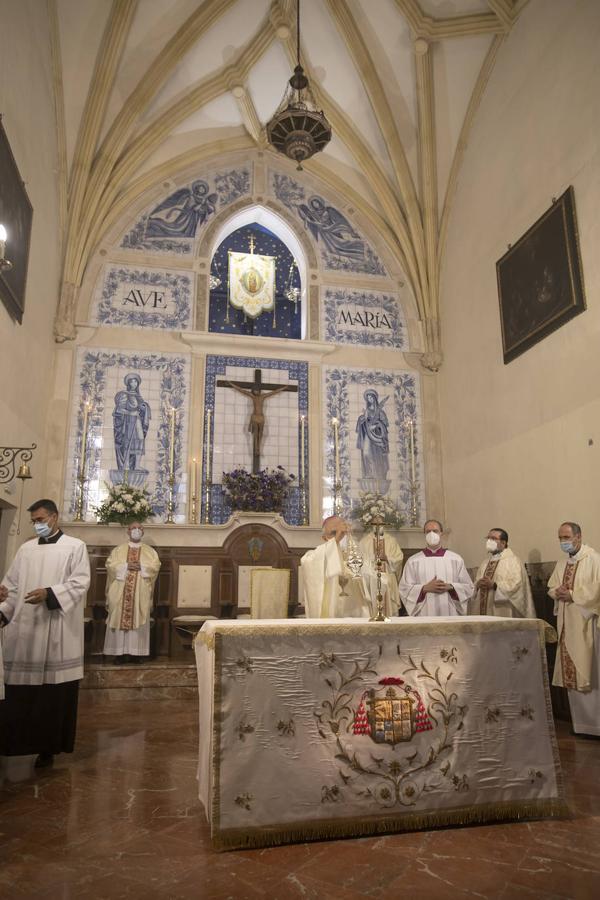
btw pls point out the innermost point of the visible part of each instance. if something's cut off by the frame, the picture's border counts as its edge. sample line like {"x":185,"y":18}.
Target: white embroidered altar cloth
{"x":313,"y":729}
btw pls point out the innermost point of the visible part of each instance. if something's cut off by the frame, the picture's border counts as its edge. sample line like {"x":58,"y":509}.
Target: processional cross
{"x":258,"y":393}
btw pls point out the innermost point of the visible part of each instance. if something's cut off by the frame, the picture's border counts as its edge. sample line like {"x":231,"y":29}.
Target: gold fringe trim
{"x":272,"y":836}
{"x":208,"y":639}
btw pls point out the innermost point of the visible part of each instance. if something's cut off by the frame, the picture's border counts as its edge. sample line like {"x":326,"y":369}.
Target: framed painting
{"x":16,"y":214}
{"x":540,"y":281}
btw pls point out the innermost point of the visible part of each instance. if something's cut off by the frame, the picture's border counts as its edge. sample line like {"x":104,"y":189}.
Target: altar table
{"x":324,"y":728}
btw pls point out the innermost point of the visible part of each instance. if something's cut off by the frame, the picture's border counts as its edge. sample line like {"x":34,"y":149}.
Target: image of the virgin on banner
{"x":251,"y":283}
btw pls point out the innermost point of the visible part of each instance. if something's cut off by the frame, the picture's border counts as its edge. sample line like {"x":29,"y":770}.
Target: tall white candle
{"x":302,"y":427}
{"x":208,"y":438}
{"x":411,"y":431}
{"x":336,"y":449}
{"x":193,"y":477}
{"x":172,"y":442}
{"x":86,"y":411}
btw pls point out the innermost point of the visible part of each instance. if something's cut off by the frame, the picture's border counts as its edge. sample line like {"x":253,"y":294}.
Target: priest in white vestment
{"x":435,"y":581}
{"x":502,"y":585}
{"x":392,"y":557}
{"x":131,"y":572}
{"x":42,"y":619}
{"x":575,"y":588}
{"x":330,"y":591}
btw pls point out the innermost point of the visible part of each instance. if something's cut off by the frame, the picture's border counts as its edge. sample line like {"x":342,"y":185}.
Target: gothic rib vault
{"x":144,"y":89}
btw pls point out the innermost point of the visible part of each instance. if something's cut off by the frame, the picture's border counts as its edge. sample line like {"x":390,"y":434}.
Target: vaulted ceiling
{"x":146,"y":87}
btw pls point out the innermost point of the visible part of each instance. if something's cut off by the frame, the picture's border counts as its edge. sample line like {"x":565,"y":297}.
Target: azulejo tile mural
{"x":172,"y":225}
{"x":342,"y":248}
{"x":131,"y":432}
{"x":365,"y":318}
{"x":230,"y":438}
{"x":380,"y":445}
{"x":144,"y":298}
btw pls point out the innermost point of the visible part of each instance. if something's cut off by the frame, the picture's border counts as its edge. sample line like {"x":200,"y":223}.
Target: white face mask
{"x":136,"y":534}
{"x":491,"y":546}
{"x":432,"y":538}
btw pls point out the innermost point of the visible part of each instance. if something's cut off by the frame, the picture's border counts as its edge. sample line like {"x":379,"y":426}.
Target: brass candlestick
{"x":207,"y":465}
{"x":380,"y":615}
{"x":81,"y":477}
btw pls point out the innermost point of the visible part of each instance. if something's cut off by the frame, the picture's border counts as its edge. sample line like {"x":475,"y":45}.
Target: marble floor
{"x":119,"y":819}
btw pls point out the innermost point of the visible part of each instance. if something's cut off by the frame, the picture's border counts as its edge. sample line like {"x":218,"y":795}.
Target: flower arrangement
{"x":125,"y":504}
{"x":374,"y":506}
{"x":262,"y":491}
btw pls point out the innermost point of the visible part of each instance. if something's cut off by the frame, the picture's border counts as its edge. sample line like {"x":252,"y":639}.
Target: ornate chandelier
{"x":298,"y":128}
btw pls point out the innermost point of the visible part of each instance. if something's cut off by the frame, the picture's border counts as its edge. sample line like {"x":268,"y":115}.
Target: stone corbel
{"x":64,"y":323}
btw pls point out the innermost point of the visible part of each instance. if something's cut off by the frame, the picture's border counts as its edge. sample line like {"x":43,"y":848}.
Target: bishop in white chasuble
{"x":330,"y":591}
{"x":435,"y":581}
{"x":575,"y":588}
{"x":502,"y":585}
{"x":42,"y":618}
{"x":131,"y":572}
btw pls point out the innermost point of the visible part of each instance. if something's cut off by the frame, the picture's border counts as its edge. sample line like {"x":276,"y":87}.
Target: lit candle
{"x":172,"y":442}
{"x":86,"y":411}
{"x":336,"y":449}
{"x":302,"y":427}
{"x":193,"y":477}
{"x":208,"y":437}
{"x":411,"y":434}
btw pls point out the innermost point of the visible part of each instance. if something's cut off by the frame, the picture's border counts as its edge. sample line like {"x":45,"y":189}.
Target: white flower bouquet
{"x":374,"y":506}
{"x":125,"y":504}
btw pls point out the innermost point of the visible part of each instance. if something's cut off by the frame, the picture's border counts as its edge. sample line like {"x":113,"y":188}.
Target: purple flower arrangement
{"x":262,"y":491}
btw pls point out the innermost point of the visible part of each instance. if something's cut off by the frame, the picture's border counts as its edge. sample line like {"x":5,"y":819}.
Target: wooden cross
{"x":258,"y":393}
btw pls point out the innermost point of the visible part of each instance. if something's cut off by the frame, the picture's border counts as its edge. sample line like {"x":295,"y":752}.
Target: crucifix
{"x":258,"y":393}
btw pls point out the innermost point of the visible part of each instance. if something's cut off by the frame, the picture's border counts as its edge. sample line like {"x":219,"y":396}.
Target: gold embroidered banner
{"x":251,"y":283}
{"x":329,"y":728}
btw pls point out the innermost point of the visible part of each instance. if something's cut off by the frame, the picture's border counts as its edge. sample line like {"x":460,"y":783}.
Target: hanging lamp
{"x":298,"y":129}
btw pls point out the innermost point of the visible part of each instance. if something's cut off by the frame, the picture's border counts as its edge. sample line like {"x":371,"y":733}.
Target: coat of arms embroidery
{"x":394,"y":717}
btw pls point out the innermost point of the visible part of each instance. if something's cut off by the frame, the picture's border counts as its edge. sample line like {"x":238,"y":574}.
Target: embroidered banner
{"x":326,"y":729}
{"x":251,"y":282}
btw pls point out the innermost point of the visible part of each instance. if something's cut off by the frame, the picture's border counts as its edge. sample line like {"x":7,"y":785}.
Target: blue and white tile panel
{"x":231,"y":439}
{"x":343,"y":393}
{"x":363,"y":318}
{"x":144,"y":298}
{"x":173,"y":224}
{"x":165,"y":383}
{"x":342,"y":247}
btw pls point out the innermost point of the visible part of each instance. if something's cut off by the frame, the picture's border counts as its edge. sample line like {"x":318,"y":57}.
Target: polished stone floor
{"x":120,"y":819}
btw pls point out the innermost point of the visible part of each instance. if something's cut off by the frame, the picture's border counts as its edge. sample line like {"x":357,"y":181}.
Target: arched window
{"x":258,"y":231}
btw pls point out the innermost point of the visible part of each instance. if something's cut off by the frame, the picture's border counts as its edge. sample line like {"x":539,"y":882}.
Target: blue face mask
{"x":42,"y":529}
{"x":567,"y":546}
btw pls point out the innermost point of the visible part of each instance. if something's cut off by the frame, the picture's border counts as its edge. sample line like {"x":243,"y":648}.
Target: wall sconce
{"x":5,"y":264}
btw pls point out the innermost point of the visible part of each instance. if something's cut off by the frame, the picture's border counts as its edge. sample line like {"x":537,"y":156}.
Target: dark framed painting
{"x":16,"y":214}
{"x":540,"y":281}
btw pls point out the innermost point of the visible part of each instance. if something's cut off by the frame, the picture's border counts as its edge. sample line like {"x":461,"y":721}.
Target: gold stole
{"x":490,"y":570}
{"x":127,"y":603}
{"x":569,"y":672}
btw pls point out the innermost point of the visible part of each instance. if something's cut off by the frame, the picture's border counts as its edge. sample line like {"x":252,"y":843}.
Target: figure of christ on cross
{"x":258,"y":393}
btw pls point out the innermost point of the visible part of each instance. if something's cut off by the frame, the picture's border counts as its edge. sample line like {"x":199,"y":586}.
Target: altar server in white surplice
{"x":502,"y":585}
{"x":325,"y":596}
{"x":435,"y":581}
{"x":575,"y":588}
{"x":42,"y":618}
{"x":392,"y":557}
{"x":131,"y":571}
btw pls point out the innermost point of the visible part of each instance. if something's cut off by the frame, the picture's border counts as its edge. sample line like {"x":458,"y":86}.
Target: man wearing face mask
{"x":435,"y":581}
{"x":575,"y":588}
{"x":330,"y":591}
{"x":131,"y":571}
{"x":41,"y":612}
{"x":502,"y":585}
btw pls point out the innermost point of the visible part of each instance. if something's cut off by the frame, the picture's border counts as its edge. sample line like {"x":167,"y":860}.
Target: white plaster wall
{"x":516,"y":438}
{"x":27,"y":357}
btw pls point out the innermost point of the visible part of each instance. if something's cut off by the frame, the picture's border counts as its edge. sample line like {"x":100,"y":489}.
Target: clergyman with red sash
{"x":131,"y":571}
{"x":502,"y":585}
